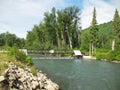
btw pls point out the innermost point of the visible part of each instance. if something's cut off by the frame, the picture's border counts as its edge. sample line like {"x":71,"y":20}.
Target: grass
{"x":108,"y":54}
{"x":5,"y":59}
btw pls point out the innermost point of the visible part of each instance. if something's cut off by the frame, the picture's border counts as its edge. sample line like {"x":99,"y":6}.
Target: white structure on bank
{"x":77,"y":54}
{"x":24,"y":50}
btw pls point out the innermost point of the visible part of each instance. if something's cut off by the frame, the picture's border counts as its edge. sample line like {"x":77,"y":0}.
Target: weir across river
{"x":44,"y":52}
{"x":51,"y":54}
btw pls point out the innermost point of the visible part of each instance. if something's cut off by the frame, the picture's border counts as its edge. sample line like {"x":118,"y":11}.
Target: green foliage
{"x":85,"y":39}
{"x":8,"y":39}
{"x":102,"y":50}
{"x":101,"y":56}
{"x":14,"y":51}
{"x":28,"y":60}
{"x":101,"y":53}
{"x":4,"y":59}
{"x":33,"y":70}
{"x":94,"y":33}
{"x":105,"y":37}
{"x":20,"y":56}
{"x":113,"y":55}
{"x":116,"y":29}
{"x":108,"y":54}
{"x":3,"y":66}
{"x":59,"y":30}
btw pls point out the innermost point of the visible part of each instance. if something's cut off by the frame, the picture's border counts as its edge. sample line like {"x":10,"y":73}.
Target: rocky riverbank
{"x":16,"y":78}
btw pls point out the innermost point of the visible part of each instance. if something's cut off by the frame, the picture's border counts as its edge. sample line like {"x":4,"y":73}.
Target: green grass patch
{"x":108,"y":54}
{"x":16,"y":57}
{"x":33,"y":70}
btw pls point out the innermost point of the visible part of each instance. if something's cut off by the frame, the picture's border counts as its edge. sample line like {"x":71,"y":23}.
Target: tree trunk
{"x":63,"y":40}
{"x":113,"y":44}
{"x":90,"y":49}
{"x":58,"y":39}
{"x":78,"y":38}
{"x":70,"y":42}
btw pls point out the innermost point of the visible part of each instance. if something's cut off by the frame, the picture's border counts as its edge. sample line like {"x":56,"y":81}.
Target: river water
{"x":81,"y":74}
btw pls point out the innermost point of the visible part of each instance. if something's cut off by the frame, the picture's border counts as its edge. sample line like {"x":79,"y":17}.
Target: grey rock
{"x":22,"y":79}
{"x":2,"y":78}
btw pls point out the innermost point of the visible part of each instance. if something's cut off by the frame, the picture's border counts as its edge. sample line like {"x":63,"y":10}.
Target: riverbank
{"x":94,"y":58}
{"x":17,"y":78}
{"x":20,"y":74}
{"x":89,"y":57}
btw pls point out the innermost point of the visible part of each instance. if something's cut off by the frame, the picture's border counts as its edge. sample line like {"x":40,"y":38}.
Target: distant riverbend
{"x":81,"y":74}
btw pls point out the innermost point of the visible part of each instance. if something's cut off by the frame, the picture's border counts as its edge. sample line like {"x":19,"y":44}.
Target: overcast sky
{"x":19,"y":16}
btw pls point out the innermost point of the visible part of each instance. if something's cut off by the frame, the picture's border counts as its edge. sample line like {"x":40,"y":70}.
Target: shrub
{"x":33,"y":70}
{"x":118,"y":57}
{"x":101,"y":50}
{"x":28,"y":60}
{"x":20,"y":56}
{"x":113,"y":55}
{"x":100,"y":56}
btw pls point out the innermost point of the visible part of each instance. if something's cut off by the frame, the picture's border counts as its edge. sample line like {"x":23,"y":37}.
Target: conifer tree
{"x":116,"y":30}
{"x":93,"y":33}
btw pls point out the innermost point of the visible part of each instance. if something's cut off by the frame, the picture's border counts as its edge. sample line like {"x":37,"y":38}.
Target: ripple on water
{"x":82,"y":74}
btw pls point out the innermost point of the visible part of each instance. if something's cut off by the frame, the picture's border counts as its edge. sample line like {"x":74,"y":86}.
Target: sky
{"x":19,"y":16}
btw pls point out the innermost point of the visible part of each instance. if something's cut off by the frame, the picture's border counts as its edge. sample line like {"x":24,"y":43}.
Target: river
{"x":81,"y":74}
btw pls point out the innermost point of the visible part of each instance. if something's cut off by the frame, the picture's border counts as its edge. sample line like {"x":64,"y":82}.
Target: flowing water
{"x":81,"y":74}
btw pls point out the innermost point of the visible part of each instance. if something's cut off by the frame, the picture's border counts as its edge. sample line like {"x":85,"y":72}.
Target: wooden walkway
{"x":51,"y":54}
{"x":56,"y":58}
{"x":44,"y":52}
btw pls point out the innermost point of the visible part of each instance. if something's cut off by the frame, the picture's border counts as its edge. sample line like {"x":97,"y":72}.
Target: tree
{"x":59,"y":30}
{"x":68,"y":20}
{"x":50,"y":27}
{"x":10,"y":40}
{"x":85,"y":40}
{"x":116,"y":30}
{"x":35,"y":38}
{"x":93,"y":33}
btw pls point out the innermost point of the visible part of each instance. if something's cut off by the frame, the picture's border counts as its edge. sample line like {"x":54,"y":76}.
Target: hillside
{"x":105,"y":36}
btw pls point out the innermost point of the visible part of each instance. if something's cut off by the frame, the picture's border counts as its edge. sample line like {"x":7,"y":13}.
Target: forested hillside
{"x":105,"y":36}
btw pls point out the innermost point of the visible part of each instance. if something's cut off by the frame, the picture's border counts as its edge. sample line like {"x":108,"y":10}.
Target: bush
{"x":118,"y":57}
{"x":20,"y":56}
{"x":100,"y":56}
{"x":113,"y":55}
{"x":28,"y":60}
{"x":33,"y":70}
{"x":101,"y":50}
{"x":108,"y":54}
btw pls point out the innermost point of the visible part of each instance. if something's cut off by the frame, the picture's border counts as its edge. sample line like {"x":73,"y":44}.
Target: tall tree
{"x":68,"y":19}
{"x":50,"y":26}
{"x":116,"y":30}
{"x":60,"y":29}
{"x":93,"y":33}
